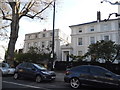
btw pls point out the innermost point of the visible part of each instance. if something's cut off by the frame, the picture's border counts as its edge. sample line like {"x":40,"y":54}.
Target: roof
{"x":94,"y":22}
{"x":44,"y":31}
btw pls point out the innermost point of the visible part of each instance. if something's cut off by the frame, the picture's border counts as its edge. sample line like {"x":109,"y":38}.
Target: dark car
{"x":91,"y":75}
{"x":34,"y":71}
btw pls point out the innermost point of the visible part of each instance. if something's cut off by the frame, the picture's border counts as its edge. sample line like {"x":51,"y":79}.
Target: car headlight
{"x":45,"y":72}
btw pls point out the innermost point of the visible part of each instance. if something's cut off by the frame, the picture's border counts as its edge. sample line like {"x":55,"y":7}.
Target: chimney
{"x":98,"y":16}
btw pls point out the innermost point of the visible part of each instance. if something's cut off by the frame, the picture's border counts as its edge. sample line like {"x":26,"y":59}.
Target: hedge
{"x":63,"y":65}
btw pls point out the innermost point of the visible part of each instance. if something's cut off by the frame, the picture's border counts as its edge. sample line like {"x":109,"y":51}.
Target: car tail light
{"x":67,"y":72}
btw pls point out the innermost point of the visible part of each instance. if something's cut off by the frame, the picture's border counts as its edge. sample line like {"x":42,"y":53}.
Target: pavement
{"x":60,"y":75}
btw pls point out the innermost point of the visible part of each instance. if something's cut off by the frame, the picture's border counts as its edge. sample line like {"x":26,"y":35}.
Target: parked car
{"x":91,"y":75}
{"x":5,"y":69}
{"x":34,"y":71}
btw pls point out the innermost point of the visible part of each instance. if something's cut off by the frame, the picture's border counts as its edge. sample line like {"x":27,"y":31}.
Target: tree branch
{"x":4,"y":26}
{"x":43,"y":9}
{"x":12,"y":3}
{"x":116,"y":3}
{"x":32,"y":16}
{"x":30,"y":5}
{"x":111,"y":15}
{"x":24,"y":13}
{"x":4,"y":17}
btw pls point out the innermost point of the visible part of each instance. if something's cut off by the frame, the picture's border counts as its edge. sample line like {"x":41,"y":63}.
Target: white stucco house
{"x":43,"y":40}
{"x":82,"y":35}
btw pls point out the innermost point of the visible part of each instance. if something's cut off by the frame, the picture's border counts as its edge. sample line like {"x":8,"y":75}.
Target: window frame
{"x":92,"y":28}
{"x":91,"y":40}
{"x":43,"y":35}
{"x":80,"y":41}
{"x":106,"y":36}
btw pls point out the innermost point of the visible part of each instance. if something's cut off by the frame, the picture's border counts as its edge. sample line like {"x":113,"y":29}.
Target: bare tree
{"x":13,"y":11}
{"x":115,"y":3}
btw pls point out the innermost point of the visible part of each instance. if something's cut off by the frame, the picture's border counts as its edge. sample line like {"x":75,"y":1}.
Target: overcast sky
{"x":69,"y":12}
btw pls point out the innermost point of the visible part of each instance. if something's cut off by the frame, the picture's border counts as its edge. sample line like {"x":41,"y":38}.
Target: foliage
{"x":33,"y":56}
{"x":76,"y":58}
{"x":106,"y":50}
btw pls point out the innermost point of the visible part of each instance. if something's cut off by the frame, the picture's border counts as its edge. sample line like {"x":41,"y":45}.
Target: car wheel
{"x":38,"y":79}
{"x":75,"y":83}
{"x":16,"y":76}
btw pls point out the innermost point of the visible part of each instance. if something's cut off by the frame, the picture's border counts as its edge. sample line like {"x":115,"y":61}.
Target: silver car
{"x":5,"y":69}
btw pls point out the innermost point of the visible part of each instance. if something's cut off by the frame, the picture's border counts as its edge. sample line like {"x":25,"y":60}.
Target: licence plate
{"x":53,"y":77}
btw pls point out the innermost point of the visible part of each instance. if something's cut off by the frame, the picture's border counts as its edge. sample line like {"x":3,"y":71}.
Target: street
{"x":9,"y":83}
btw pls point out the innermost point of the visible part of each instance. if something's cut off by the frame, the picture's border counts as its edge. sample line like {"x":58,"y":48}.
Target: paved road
{"x":8,"y":83}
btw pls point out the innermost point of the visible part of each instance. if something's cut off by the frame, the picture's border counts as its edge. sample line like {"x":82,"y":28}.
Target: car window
{"x":30,"y":66}
{"x":98,"y":71}
{"x":40,"y":67}
{"x":81,"y":69}
{"x":23,"y":65}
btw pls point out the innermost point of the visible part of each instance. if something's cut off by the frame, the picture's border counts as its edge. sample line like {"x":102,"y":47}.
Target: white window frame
{"x":92,"y":28}
{"x":43,"y":35}
{"x":36,"y":36}
{"x":105,"y":27}
{"x":43,"y":44}
{"x":35,"y":44}
{"x":80,"y":30}
{"x":106,"y":36}
{"x":92,"y":40}
{"x":80,"y":41}
{"x":80,"y":53}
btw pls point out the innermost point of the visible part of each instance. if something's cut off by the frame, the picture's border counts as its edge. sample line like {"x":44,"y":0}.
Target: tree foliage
{"x":106,"y":50}
{"x":33,"y":55}
{"x":76,"y":58}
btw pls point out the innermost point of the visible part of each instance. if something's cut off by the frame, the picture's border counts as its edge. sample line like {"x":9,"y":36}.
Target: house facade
{"x":82,"y":35}
{"x":43,"y":40}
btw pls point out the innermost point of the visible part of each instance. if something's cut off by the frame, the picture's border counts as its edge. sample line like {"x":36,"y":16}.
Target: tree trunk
{"x":13,"y":39}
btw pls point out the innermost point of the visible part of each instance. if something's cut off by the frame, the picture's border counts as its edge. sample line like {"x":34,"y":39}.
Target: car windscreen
{"x":40,"y":67}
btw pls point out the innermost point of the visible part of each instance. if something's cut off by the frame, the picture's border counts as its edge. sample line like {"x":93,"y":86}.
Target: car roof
{"x":88,"y":66}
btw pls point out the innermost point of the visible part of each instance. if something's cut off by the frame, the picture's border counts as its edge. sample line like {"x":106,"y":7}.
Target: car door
{"x":30,"y":70}
{"x":22,"y":69}
{"x":102,"y":76}
{"x":84,"y":74}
